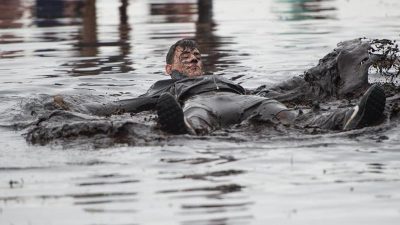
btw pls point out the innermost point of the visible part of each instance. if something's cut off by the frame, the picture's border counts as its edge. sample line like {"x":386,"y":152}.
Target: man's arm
{"x":134,"y":105}
{"x":145,"y":102}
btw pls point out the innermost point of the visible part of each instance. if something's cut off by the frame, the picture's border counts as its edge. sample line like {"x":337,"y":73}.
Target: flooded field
{"x":102,"y":50}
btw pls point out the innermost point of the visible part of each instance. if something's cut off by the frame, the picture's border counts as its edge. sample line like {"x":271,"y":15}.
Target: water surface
{"x":107,"y":50}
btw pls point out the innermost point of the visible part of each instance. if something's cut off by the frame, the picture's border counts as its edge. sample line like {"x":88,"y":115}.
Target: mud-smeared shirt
{"x":188,"y":87}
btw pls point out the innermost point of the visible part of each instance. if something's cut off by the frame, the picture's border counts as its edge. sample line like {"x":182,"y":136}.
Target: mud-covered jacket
{"x":182,"y":89}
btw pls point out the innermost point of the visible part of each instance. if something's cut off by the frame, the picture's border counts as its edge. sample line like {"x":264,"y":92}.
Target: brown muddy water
{"x":107,"y":50}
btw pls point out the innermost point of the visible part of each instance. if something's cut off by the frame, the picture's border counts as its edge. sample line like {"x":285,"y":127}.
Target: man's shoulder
{"x":204,"y":78}
{"x":159,"y":87}
{"x":164,"y":82}
{"x":195,"y":81}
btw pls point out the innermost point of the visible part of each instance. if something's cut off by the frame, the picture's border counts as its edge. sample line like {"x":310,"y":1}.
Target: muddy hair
{"x":183,"y":43}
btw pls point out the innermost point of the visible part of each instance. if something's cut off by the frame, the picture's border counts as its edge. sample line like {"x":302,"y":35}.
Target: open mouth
{"x":193,"y":67}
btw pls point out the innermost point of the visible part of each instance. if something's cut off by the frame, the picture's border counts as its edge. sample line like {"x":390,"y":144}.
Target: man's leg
{"x":270,"y":110}
{"x":206,"y":112}
{"x":329,"y":121}
{"x":197,"y":117}
{"x":367,"y":112}
{"x":210,"y":111}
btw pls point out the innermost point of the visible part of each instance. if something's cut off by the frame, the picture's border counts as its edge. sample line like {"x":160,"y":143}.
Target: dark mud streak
{"x":105,"y":201}
{"x":382,"y":180}
{"x":95,"y":210}
{"x":201,"y":160}
{"x":221,"y":221}
{"x":23,"y":168}
{"x":205,"y":176}
{"x":108,"y":183}
{"x":89,"y":163}
{"x":101,"y":194}
{"x":231,"y":205}
{"x":111,"y":175}
{"x":75,"y":196}
{"x":228,"y":188}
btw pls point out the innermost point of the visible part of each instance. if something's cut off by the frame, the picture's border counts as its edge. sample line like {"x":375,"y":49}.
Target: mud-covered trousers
{"x":212,"y":110}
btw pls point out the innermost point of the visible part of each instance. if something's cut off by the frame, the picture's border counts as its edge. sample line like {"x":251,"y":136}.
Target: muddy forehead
{"x":186,"y":49}
{"x":182,"y":52}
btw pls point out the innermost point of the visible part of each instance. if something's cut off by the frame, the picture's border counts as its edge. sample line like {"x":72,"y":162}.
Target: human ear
{"x":168,"y":69}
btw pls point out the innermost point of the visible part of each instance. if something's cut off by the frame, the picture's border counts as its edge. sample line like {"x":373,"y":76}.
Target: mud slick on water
{"x":64,"y":125}
{"x":339,"y":79}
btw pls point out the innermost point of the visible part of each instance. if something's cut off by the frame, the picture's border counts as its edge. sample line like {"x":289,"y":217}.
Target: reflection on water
{"x":306,"y":9}
{"x":12,"y":12}
{"x":89,"y":46}
{"x":51,"y":13}
{"x":92,"y":50}
{"x":174,"y":12}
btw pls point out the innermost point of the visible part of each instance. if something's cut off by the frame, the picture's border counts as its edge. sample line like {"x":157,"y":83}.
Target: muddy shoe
{"x":170,"y":115}
{"x":369,"y":110}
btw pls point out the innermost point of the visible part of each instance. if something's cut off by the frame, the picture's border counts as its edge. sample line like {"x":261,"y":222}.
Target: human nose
{"x":192,"y":59}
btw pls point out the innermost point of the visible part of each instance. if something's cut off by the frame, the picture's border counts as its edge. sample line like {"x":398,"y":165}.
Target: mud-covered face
{"x":187,"y":62}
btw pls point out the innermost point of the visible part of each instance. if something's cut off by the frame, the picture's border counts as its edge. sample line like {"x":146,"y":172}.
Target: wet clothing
{"x":212,"y":110}
{"x":211,"y":102}
{"x":332,"y":120}
{"x":182,"y":89}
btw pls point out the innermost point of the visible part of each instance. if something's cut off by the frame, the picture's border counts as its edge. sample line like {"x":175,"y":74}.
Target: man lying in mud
{"x":191,"y":102}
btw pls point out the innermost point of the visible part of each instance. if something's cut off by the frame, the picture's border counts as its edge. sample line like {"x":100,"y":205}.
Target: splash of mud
{"x":341,"y":74}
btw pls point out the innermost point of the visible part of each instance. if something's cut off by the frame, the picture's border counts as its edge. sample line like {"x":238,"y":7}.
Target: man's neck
{"x":177,"y":75}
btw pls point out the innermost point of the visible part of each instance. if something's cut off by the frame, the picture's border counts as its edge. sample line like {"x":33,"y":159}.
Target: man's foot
{"x":170,"y":115}
{"x":369,"y":110}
